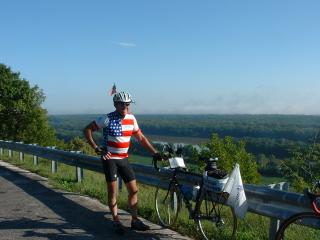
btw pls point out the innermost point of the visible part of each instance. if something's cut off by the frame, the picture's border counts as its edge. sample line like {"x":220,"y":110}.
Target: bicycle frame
{"x":201,"y":192}
{"x":313,"y":200}
{"x":209,"y":211}
{"x":174,"y":181}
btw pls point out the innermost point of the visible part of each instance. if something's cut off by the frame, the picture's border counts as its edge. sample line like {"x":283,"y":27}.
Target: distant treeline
{"x":264,"y":134}
{"x":291,"y":127}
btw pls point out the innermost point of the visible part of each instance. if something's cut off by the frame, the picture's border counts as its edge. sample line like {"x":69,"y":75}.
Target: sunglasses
{"x":124,"y":104}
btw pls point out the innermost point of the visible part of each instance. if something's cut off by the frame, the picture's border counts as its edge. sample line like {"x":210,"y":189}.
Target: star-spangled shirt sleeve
{"x":101,"y":122}
{"x":135,"y":126}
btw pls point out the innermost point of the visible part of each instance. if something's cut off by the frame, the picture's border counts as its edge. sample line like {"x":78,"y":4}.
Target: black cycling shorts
{"x":114,"y":167}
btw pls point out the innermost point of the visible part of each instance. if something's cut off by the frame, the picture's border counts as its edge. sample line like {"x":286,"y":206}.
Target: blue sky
{"x":173,"y":56}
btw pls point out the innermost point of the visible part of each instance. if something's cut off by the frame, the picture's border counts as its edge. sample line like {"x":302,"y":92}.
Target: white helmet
{"x":122,"y":97}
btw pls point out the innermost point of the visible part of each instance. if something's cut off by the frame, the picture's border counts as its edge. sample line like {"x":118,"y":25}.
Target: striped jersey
{"x":117,"y":132}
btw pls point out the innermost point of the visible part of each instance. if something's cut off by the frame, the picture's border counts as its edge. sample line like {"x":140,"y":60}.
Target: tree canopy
{"x":303,"y":168}
{"x":229,"y":153}
{"x":21,"y":116}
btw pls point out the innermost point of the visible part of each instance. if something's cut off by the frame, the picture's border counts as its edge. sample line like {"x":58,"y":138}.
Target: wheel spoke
{"x":167,"y":203}
{"x":216,"y":221}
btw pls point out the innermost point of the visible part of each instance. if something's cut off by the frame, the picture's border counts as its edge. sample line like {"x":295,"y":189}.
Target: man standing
{"x":118,"y":127}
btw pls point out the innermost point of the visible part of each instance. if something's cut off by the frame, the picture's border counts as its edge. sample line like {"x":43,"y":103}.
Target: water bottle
{"x":186,"y":191}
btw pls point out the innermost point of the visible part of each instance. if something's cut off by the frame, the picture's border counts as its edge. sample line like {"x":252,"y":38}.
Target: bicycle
{"x":213,"y":218}
{"x":294,"y":226}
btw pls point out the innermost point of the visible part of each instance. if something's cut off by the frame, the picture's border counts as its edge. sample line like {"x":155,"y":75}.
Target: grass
{"x":140,"y":159}
{"x":252,"y":227}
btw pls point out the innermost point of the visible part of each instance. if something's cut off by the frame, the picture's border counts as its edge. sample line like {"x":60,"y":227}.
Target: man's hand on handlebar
{"x":157,"y":156}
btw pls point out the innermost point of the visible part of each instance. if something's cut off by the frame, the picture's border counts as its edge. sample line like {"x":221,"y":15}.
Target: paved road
{"x":32,"y":209}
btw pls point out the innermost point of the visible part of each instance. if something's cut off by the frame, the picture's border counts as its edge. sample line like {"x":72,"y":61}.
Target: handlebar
{"x":161,"y":156}
{"x":211,"y":163}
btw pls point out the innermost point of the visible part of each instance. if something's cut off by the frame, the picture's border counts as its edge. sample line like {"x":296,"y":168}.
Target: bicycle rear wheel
{"x":168,"y":204}
{"x":292,"y":228}
{"x":215,"y":220}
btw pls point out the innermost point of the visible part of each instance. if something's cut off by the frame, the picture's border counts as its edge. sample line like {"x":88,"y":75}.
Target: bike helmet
{"x":122,"y":97}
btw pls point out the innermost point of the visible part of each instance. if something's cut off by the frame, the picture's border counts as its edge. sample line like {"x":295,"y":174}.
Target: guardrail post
{"x":35,"y":158}
{"x":1,"y":151}
{"x":79,"y":174}
{"x":274,"y":222}
{"x":21,"y":156}
{"x":79,"y":170}
{"x":54,"y":164}
{"x":10,"y":153}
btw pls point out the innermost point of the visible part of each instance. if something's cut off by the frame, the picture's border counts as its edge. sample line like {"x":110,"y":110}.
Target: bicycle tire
{"x":214,"y":219}
{"x":167,"y":204}
{"x":292,"y":228}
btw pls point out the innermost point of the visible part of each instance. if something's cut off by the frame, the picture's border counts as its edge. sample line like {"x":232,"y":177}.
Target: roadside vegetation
{"x":93,"y":185}
{"x":251,"y":227}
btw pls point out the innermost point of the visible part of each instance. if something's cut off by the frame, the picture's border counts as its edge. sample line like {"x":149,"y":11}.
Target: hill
{"x":265,"y":134}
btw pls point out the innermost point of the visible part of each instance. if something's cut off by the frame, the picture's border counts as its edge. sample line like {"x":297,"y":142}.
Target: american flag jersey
{"x":117,"y":131}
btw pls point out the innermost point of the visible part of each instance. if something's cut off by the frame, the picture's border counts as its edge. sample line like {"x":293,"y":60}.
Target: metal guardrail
{"x":269,"y":201}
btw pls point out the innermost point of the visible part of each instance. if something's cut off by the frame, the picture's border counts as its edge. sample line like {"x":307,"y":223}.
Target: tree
{"x":21,"y":116}
{"x":79,"y":144}
{"x":229,"y":153}
{"x":303,"y":168}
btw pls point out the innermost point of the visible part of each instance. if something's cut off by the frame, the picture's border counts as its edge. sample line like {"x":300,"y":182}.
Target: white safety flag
{"x":237,"y":197}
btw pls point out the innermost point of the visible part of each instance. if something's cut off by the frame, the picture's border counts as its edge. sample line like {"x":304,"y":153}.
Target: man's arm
{"x":145,"y":142}
{"x":91,"y":127}
{"x":88,"y":134}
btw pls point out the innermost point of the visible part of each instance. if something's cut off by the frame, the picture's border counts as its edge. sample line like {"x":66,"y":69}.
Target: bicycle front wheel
{"x":215,"y":220}
{"x":167,"y":203}
{"x":295,"y":227}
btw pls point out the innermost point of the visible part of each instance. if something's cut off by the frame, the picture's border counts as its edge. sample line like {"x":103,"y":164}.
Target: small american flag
{"x":113,"y":90}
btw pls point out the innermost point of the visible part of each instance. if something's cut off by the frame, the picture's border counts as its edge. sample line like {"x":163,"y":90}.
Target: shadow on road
{"x":69,"y":221}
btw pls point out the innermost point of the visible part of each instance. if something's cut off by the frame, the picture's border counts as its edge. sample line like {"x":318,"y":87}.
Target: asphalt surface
{"x":32,"y":209}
